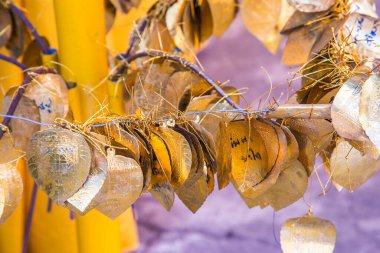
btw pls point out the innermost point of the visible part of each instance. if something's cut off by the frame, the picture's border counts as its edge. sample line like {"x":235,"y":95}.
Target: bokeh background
{"x":224,"y":223}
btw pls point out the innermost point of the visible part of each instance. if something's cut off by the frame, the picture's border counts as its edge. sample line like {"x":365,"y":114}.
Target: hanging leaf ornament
{"x":262,"y":19}
{"x":123,"y":185}
{"x":7,"y":146}
{"x":223,"y":13}
{"x":59,"y":161}
{"x":345,"y":109}
{"x":90,"y":194}
{"x":11,"y":189}
{"x":349,"y":168}
{"x":362,"y":32}
{"x":312,"y":5}
{"x":307,"y":233}
{"x":22,"y":131}
{"x":369,"y":115}
{"x":50,"y":93}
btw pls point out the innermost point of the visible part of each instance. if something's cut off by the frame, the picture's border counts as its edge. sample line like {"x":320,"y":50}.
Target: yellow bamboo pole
{"x":11,"y":232}
{"x":41,"y":15}
{"x":81,"y":39}
{"x":42,"y":238}
{"x":115,"y":97}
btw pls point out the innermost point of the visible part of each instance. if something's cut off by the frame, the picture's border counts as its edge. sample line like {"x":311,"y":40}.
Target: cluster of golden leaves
{"x":45,"y":100}
{"x":184,"y":25}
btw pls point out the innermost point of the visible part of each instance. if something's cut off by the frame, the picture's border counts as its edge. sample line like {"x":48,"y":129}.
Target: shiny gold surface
{"x":122,"y":187}
{"x":369,"y":115}
{"x":59,"y":160}
{"x":308,"y":235}
{"x":345,"y":109}
{"x":11,"y":190}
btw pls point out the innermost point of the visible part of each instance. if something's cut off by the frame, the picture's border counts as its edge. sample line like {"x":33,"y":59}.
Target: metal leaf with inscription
{"x":249,"y":161}
{"x":308,"y":234}
{"x":349,"y":168}
{"x":57,"y":85}
{"x":369,"y":112}
{"x":48,"y":98}
{"x":312,"y":5}
{"x":362,"y":32}
{"x":59,"y":160}
{"x":7,"y":150}
{"x":22,"y":130}
{"x":276,"y":146}
{"x":90,"y":195}
{"x":122,"y":187}
{"x":11,"y":190}
{"x":345,"y":109}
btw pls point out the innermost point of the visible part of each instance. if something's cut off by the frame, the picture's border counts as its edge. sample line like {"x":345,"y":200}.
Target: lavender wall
{"x":225,"y":223}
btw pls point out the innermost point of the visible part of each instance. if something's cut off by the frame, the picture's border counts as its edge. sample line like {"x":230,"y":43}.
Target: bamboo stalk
{"x":11,"y":232}
{"x":82,"y":51}
{"x":41,"y":15}
{"x":302,"y":111}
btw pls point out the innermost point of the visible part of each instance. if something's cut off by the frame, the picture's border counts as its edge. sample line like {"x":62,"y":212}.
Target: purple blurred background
{"x":224,"y":223}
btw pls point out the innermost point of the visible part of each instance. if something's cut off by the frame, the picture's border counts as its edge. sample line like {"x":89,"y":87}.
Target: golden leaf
{"x":223,"y":12}
{"x":7,"y":147}
{"x":122,"y":187}
{"x":153,"y":93}
{"x":26,"y":108}
{"x":262,"y":18}
{"x":59,"y":161}
{"x":158,"y":37}
{"x":50,"y":94}
{"x":349,"y":168}
{"x":319,"y":131}
{"x":369,"y":116}
{"x":90,"y":194}
{"x":305,"y":233}
{"x":291,"y":185}
{"x":179,"y":153}
{"x":249,"y":155}
{"x":300,"y":43}
{"x":146,"y":157}
{"x":160,"y":188}
{"x":292,"y":146}
{"x":312,"y":5}
{"x":130,"y":146}
{"x":223,"y":155}
{"x":275,"y":143}
{"x":207,"y":142}
{"x":194,"y":191}
{"x":206,"y":21}
{"x":173,"y":19}
{"x":345,"y":109}
{"x":11,"y":188}
{"x":162,"y":156}
{"x":307,"y":152}
{"x":189,"y":25}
